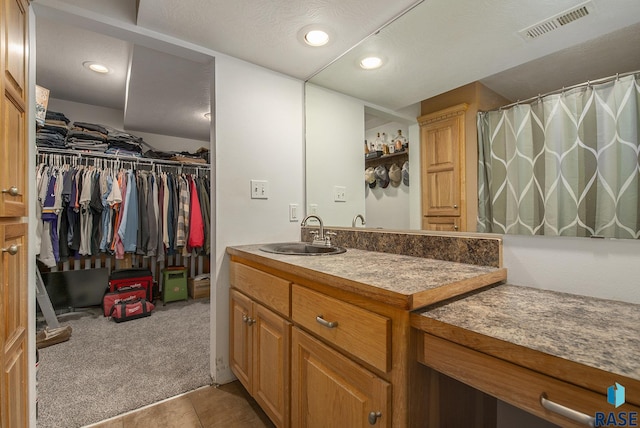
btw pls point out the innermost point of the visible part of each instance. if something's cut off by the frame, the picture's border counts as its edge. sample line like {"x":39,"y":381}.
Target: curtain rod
{"x":133,"y":159}
{"x":568,"y":88}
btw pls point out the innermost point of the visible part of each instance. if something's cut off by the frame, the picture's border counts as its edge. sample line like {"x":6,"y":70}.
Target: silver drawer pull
{"x":324,"y":322}
{"x":13,"y":191}
{"x":567,"y":412}
{"x":13,"y":250}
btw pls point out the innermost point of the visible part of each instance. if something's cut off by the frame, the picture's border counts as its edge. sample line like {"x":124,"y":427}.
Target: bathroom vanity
{"x":328,"y":338}
{"x":371,"y":338}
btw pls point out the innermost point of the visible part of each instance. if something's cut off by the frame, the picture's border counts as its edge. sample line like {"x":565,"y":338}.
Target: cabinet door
{"x":241,"y":338}
{"x":329,"y":390}
{"x":13,"y":339}
{"x":13,"y":147}
{"x":271,"y":364}
{"x":449,"y":224}
{"x":441,"y":176}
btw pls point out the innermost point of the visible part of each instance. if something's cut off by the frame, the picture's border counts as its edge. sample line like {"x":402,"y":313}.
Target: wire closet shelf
{"x":60,"y":156}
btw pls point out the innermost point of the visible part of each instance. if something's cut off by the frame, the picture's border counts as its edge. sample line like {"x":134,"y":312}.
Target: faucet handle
{"x":327,"y":237}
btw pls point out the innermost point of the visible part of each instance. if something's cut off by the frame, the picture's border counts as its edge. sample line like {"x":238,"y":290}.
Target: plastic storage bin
{"x":174,"y":284}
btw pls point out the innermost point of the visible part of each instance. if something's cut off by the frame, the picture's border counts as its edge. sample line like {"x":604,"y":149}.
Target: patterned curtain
{"x":565,"y":165}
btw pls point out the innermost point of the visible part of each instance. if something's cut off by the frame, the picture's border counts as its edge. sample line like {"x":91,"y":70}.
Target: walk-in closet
{"x":123,"y":184}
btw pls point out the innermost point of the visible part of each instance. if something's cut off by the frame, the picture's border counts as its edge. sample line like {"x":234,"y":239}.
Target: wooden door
{"x":441,"y":150}
{"x":13,"y":340}
{"x":14,"y":360}
{"x":448,"y":224}
{"x":13,"y":148}
{"x":271,"y":364}
{"x":329,"y":390}
{"x":241,"y":338}
{"x":442,"y":158}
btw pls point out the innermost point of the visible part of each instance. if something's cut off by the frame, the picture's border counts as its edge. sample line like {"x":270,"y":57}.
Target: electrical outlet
{"x":259,"y":189}
{"x":293,"y":212}
{"x":339,"y":194}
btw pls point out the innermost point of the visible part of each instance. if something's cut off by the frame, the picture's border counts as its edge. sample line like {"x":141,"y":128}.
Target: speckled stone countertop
{"x":404,"y":281}
{"x":598,"y":333}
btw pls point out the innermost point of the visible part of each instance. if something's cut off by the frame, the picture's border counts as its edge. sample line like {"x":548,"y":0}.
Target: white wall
{"x":259,"y":134}
{"x":78,"y":112}
{"x":387,"y":208}
{"x":334,"y":148}
{"x":605,"y":268}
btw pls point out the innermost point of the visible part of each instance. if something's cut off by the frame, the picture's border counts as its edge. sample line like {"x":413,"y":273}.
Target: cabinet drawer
{"x":362,"y":333}
{"x":263,"y":287}
{"x":513,"y":383}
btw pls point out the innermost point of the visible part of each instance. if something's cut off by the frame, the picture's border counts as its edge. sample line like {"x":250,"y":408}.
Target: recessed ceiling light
{"x":371,"y":62}
{"x":316,"y":38}
{"x":316,"y":35}
{"x":96,"y":67}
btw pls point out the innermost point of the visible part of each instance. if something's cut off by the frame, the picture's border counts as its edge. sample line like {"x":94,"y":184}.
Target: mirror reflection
{"x":433,"y":93}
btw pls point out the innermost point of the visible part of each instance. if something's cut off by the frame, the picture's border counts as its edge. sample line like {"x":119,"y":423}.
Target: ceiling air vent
{"x":557,"y":21}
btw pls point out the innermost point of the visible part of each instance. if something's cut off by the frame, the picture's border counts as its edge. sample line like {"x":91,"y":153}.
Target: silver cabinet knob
{"x":12,"y":250}
{"x":13,"y":191}
{"x":455,"y":227}
{"x":455,"y":206}
{"x":373,"y":417}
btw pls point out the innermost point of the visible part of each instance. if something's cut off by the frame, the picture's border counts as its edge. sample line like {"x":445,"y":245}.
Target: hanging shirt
{"x":152,"y":213}
{"x":196,"y":227}
{"x":183,"y":213}
{"x":142,"y":235}
{"x":127,"y":231}
{"x":107,"y":216}
{"x":86,"y":219}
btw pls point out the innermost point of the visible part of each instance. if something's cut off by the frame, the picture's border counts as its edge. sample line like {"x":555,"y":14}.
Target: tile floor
{"x":226,"y":406}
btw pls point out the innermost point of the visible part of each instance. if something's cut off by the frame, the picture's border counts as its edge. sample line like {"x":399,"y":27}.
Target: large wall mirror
{"x":434,"y":49}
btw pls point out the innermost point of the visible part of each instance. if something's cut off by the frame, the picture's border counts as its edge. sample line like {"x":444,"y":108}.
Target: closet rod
{"x":133,"y":159}
{"x":568,"y":88}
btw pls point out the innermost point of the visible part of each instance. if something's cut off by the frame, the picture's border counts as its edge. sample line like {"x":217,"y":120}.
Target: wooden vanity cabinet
{"x":348,"y":356}
{"x":507,"y":378}
{"x":330,"y":390}
{"x":260,"y":349}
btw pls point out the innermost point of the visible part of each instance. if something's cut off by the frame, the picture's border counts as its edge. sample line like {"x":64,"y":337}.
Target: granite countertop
{"x":404,"y":281}
{"x":598,"y":333}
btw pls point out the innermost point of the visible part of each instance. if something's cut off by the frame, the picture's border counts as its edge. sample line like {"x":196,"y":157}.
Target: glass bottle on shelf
{"x":400,"y":141}
{"x":379,"y":144}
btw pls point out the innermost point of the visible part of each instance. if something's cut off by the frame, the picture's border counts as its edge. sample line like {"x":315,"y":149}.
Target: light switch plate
{"x":259,"y":189}
{"x":293,"y":212}
{"x":339,"y":194}
{"x":313,"y":209}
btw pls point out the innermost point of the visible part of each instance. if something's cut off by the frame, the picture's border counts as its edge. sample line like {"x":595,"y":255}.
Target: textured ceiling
{"x":266,"y":32}
{"x":435,"y":47}
{"x":180,"y":90}
{"x":61,"y":49}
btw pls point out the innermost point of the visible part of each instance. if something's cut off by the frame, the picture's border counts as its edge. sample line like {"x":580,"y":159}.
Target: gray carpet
{"x":106,"y":368}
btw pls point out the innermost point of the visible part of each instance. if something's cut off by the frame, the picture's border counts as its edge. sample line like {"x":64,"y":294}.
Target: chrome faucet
{"x":358,"y":216}
{"x":319,"y":237}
